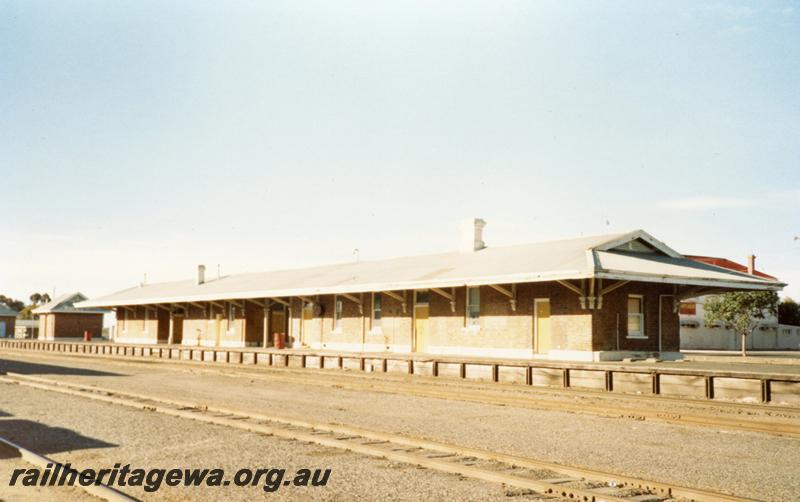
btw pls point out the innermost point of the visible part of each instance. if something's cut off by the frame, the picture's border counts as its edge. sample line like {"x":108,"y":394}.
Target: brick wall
{"x":62,"y":325}
{"x":572,"y":328}
{"x":615,"y":306}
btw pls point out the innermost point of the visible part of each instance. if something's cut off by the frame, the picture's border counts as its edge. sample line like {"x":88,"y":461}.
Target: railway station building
{"x":61,"y":318}
{"x":593,"y":298}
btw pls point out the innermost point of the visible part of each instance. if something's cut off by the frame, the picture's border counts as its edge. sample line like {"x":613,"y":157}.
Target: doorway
{"x":177,"y":328}
{"x":308,"y":318}
{"x":277,"y":324}
{"x":421,"y":314}
{"x":542,"y":339}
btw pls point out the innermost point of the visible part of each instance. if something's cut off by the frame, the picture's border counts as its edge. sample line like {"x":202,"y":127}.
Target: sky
{"x":146,"y":137}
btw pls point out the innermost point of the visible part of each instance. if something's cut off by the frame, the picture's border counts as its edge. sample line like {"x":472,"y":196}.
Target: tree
{"x":741,"y":311}
{"x":789,"y":312}
{"x":36,"y":298}
{"x":46,"y":298}
{"x":12,"y":303}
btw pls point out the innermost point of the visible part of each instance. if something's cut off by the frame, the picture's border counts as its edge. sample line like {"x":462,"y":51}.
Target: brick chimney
{"x":751,"y":264}
{"x":472,"y":235}
{"x":201,"y":274}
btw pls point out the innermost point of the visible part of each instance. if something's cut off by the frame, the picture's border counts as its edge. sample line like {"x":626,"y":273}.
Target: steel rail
{"x":402,"y":379}
{"x":375,"y":446}
{"x":101,"y":491}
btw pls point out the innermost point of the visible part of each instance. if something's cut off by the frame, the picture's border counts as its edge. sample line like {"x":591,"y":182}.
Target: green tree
{"x":36,"y":298}
{"x":45,"y":298}
{"x":12,"y":303}
{"x":741,"y":311}
{"x":789,"y":312}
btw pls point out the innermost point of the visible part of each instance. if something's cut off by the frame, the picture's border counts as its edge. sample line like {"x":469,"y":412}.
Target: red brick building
{"x":589,"y":298}
{"x":60,"y":318}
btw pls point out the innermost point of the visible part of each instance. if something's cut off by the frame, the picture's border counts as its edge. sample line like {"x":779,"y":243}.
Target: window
{"x":421,"y":297}
{"x":636,"y":316}
{"x":688,"y":308}
{"x":231,"y":313}
{"x":473,"y":306}
{"x":146,"y":318}
{"x":377,"y":302}
{"x":337,"y":314}
{"x":125,"y":322}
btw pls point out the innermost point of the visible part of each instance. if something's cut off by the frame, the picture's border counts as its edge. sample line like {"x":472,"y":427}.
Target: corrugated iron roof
{"x":6,"y":311}
{"x":576,"y":258}
{"x":65,"y":304}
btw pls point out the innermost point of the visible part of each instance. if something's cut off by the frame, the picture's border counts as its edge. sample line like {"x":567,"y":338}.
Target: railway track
{"x":325,"y":377}
{"x":545,"y":478}
{"x":634,"y":409}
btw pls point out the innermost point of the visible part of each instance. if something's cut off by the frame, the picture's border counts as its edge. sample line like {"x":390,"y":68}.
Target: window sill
{"x":637,"y":337}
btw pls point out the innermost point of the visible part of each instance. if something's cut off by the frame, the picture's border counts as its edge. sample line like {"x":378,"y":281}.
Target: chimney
{"x":201,"y":274}
{"x":751,"y":264}
{"x":472,"y":235}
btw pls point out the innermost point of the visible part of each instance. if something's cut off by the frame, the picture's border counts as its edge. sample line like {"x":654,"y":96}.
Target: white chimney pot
{"x":201,"y":274}
{"x":472,"y":235}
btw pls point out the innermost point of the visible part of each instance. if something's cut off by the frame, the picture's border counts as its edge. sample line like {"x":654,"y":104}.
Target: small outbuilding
{"x":8,"y":317}
{"x":61,"y":319}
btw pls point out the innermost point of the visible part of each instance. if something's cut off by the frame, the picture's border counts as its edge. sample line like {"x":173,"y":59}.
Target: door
{"x":177,"y":329}
{"x":421,"y":312}
{"x":421,"y":327}
{"x":541,"y":327}
{"x":2,"y":329}
{"x":308,"y":317}
{"x":277,"y":324}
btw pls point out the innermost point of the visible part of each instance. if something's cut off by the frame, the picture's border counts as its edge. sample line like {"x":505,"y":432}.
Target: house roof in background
{"x":630,"y":256}
{"x":729,"y":264}
{"x":6,"y":311}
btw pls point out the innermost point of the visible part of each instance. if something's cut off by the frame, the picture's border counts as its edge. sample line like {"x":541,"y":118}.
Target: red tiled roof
{"x":730,"y":265}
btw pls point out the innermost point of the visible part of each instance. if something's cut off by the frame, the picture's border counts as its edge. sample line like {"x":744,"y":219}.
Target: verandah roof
{"x":604,"y":256}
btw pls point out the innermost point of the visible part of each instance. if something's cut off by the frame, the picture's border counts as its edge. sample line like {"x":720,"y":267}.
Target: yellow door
{"x":308,"y":316}
{"x":542,"y":327}
{"x":421,"y":328}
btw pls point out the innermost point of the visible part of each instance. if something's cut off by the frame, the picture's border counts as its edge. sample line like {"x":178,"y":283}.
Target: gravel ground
{"x":40,"y":494}
{"x":96,"y":435}
{"x":747,"y":464}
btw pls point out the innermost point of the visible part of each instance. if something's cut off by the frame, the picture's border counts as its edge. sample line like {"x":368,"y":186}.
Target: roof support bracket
{"x":606,"y":290}
{"x":282,"y":302}
{"x":355,"y":300}
{"x":512,"y":295}
{"x":401,"y":299}
{"x":450,"y":296}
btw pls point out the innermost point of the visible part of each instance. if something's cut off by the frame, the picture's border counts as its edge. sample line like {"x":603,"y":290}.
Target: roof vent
{"x":201,"y":274}
{"x":472,"y":235}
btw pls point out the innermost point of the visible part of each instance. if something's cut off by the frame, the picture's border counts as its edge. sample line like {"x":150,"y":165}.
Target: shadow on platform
{"x":28,"y":368}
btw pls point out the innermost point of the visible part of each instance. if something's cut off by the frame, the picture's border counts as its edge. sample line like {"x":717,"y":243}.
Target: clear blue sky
{"x":151,"y":136}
